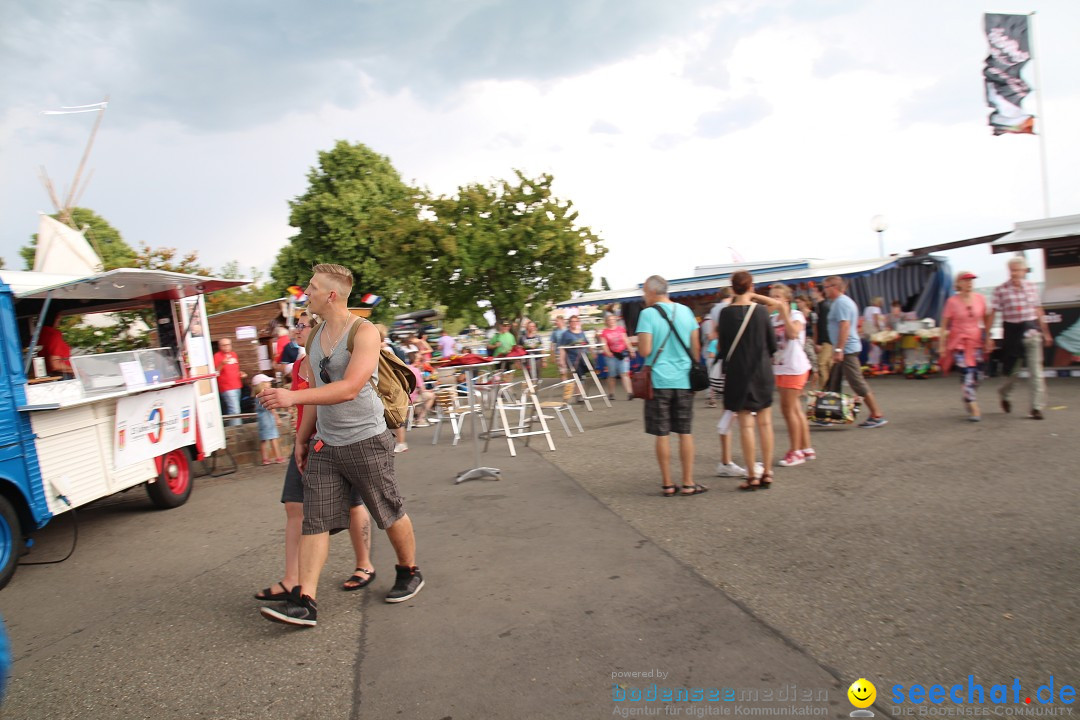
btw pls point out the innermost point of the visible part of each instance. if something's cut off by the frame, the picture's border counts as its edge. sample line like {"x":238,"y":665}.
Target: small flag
{"x":295,"y":290}
{"x":370,"y":299}
{"x":1005,"y":88}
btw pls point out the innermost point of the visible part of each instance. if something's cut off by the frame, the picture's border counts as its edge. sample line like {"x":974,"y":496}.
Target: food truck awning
{"x":26,"y":281}
{"x":1035,"y":234}
{"x":131,"y":284}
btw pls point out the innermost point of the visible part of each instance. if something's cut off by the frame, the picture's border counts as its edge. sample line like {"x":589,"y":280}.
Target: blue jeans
{"x":232,"y":405}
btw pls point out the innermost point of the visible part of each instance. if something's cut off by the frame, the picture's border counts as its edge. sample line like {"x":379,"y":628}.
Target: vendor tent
{"x":920,"y":283}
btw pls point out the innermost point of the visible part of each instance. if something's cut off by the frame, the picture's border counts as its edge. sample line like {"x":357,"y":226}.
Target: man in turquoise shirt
{"x":671,"y":409}
{"x":843,"y":318}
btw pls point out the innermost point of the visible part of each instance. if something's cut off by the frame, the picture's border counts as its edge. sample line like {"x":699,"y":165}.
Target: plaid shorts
{"x":669,"y":411}
{"x":293,"y":488}
{"x":333,"y":472}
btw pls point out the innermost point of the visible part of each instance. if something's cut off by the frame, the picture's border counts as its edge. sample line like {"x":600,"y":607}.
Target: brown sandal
{"x":766,"y":480}
{"x":751,"y":484}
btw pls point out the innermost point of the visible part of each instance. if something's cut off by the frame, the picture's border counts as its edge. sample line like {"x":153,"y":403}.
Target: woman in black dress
{"x":748,"y":375}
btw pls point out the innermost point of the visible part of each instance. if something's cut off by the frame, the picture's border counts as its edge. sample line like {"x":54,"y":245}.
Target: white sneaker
{"x":422,"y":423}
{"x":733,"y":470}
{"x":729,"y":470}
{"x":401,"y":447}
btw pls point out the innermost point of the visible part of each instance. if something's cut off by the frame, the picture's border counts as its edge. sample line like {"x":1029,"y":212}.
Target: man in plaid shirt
{"x":1025,"y":335}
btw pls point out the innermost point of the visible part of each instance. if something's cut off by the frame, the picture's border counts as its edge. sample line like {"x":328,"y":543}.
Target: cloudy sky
{"x":681,"y":129}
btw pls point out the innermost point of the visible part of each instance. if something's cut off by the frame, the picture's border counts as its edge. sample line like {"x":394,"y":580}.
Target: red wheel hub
{"x":175,"y":470}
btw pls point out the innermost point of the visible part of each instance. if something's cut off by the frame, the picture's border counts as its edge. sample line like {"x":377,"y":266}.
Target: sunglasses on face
{"x":323,"y":372}
{"x":300,"y":326}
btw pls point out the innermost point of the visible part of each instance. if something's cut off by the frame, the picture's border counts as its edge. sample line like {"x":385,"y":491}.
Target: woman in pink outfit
{"x":963,"y":336}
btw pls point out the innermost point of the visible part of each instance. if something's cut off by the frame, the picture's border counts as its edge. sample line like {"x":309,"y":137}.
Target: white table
{"x":600,"y":392}
{"x":477,"y":472}
{"x":529,"y":401}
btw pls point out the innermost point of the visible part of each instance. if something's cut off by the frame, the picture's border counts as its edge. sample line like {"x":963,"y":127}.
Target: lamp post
{"x":879,"y":225}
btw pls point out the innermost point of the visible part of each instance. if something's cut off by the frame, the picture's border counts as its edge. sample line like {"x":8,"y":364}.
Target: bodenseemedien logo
{"x":862,"y":694}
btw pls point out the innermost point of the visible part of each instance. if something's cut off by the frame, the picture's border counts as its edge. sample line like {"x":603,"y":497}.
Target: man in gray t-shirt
{"x":349,"y":444}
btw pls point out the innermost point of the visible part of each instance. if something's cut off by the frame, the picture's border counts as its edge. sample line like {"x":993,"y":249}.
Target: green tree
{"x":353,"y":196}
{"x":512,"y":243}
{"x":103,"y":237}
{"x":251,"y":294}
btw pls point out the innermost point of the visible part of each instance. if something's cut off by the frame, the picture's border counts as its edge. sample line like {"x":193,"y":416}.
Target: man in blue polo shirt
{"x":843,"y":318}
{"x":671,"y":409}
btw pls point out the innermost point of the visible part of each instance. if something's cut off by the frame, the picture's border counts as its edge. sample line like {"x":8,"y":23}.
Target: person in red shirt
{"x":230,"y":378}
{"x":56,"y":352}
{"x":617,"y":352}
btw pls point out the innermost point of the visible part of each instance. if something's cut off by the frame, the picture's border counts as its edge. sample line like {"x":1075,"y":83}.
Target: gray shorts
{"x":333,"y":473}
{"x":293,"y":489}
{"x":670,"y":411}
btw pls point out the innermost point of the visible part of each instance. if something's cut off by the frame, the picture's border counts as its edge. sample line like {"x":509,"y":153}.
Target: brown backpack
{"x":396,"y":381}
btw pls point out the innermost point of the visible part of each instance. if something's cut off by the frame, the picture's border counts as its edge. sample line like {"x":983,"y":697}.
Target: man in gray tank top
{"x":342,"y":443}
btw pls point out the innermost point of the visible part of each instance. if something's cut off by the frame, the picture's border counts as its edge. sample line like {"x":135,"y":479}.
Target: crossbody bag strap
{"x":661,"y":348}
{"x":676,"y":334}
{"x":742,"y":328}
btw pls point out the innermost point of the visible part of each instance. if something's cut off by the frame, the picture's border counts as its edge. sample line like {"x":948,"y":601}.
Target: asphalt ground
{"x":921,"y":552}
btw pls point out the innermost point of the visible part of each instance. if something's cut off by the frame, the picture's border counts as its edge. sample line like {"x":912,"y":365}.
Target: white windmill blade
{"x":73,"y":109}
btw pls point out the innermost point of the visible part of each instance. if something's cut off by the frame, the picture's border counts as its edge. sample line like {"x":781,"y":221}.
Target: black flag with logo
{"x":1005,"y":88}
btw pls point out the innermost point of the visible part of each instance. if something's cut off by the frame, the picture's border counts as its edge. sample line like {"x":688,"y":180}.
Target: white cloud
{"x":779,"y":135}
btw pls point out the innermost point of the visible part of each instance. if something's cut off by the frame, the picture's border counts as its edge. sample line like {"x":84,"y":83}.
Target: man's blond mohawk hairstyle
{"x":342,"y":276}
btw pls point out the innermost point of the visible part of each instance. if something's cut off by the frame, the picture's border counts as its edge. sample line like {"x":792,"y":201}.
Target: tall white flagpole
{"x":1042,"y":116}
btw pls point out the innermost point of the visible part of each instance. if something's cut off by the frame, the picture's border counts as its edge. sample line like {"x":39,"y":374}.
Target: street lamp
{"x":879,"y":225}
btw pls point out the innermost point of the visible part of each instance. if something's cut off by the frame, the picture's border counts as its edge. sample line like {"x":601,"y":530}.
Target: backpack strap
{"x":352,"y":333}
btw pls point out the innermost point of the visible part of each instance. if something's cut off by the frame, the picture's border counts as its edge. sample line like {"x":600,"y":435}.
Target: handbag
{"x":716,"y":374}
{"x":699,"y":376}
{"x":830,"y":406}
{"x":641,"y":380}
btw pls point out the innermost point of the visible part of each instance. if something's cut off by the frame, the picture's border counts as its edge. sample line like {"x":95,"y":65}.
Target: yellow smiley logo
{"x":862,"y":693}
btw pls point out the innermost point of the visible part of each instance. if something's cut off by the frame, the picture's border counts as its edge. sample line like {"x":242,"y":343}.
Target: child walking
{"x":268,"y":424}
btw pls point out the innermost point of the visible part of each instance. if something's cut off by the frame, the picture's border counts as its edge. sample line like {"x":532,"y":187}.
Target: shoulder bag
{"x":641,"y":381}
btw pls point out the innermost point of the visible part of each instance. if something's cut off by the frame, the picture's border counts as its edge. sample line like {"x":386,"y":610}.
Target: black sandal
{"x":766,"y":480}
{"x":751,"y":484}
{"x":360,"y":582}
{"x":669,"y":490}
{"x":268,"y":594}
{"x":694,"y":490}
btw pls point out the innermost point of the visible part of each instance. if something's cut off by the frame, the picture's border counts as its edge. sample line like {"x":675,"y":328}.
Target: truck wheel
{"x":11,"y":541}
{"x":173,"y":486}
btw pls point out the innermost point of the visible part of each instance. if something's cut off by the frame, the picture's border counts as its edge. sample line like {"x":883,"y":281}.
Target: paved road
{"x":921,"y":552}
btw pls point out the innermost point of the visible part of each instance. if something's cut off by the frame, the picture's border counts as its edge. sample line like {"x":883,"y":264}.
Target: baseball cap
{"x":966,"y":275}
{"x":260,"y":379}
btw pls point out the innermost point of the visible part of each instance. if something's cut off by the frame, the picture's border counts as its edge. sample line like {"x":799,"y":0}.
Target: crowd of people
{"x":757,"y":347}
{"x":760,"y":347}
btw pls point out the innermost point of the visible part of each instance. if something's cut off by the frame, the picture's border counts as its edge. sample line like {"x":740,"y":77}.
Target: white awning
{"x":130,"y":284}
{"x":788,"y":272}
{"x":26,"y":281}
{"x":1039,"y":234}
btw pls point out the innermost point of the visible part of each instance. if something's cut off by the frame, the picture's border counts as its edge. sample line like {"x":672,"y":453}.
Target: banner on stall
{"x":1010,"y":50}
{"x":153,"y":423}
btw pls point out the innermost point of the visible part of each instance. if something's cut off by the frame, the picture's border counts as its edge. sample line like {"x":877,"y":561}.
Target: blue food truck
{"x":116,"y":420}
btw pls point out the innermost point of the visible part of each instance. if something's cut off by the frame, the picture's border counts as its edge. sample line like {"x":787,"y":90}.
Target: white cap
{"x":260,"y":379}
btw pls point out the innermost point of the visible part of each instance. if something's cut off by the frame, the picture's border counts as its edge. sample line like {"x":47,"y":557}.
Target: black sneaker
{"x":409,"y":582}
{"x":298,"y":610}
